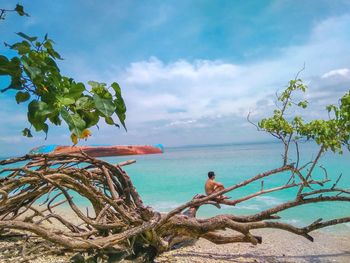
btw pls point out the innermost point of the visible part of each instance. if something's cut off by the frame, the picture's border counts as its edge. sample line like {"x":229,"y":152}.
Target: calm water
{"x":167,"y":180}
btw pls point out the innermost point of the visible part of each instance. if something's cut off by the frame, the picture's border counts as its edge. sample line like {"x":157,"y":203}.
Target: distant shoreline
{"x":224,"y":144}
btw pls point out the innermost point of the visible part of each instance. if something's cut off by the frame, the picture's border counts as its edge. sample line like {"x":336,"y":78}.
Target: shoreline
{"x":277,"y":246}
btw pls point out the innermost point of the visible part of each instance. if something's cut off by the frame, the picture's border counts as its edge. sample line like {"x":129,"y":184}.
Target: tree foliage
{"x":53,"y":97}
{"x":330,"y":134}
{"x":18,"y":9}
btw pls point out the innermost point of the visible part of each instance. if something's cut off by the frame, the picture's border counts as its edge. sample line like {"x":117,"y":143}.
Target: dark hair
{"x":211,"y":174}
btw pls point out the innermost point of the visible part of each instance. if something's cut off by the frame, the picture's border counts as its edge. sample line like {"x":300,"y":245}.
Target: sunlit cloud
{"x":343,"y":72}
{"x":205,"y":89}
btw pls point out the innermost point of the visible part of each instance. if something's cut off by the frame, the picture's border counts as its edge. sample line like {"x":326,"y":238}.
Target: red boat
{"x":100,"y":151}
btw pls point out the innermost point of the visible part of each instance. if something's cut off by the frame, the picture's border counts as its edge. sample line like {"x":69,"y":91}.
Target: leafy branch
{"x":52,"y":97}
{"x":18,"y":9}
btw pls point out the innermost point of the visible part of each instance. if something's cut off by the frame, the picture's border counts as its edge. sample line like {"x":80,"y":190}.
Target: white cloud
{"x":186,"y":122}
{"x":154,"y":70}
{"x":184,"y":90}
{"x":343,"y":72}
{"x":197,"y":89}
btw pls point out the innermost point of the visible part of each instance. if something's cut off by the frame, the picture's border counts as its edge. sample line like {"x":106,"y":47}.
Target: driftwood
{"x":119,"y":225}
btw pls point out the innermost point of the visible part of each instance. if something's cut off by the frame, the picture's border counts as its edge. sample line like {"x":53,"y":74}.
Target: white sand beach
{"x":277,"y":246}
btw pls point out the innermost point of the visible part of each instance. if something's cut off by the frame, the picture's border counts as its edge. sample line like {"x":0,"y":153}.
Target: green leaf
{"x":22,"y":96}
{"x":120,"y":111}
{"x":91,"y":118}
{"x":38,"y":125}
{"x":75,"y":123}
{"x":110,"y":121}
{"x":42,"y":127}
{"x":22,"y":47}
{"x":39,"y":108}
{"x":32,"y":71}
{"x":121,"y":116}
{"x":48,"y":44}
{"x":3,"y":65}
{"x":55,"y":119}
{"x":120,"y":100}
{"x":117,"y":89}
{"x":119,"y":103}
{"x":66,"y":101}
{"x":30,"y":39}
{"x":84,"y":103}
{"x":303,"y":104}
{"x":20,"y":10}
{"x":100,"y":90}
{"x":11,"y":68}
{"x":93,"y":84}
{"x":26,"y":132}
{"x":52,"y":64}
{"x":54,"y":54}
{"x":38,"y":112}
{"x":105,"y":106}
{"x":76,"y":90}
{"x":15,"y":84}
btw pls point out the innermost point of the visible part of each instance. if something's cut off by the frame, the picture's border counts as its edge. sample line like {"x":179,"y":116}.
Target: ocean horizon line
{"x":222,"y":144}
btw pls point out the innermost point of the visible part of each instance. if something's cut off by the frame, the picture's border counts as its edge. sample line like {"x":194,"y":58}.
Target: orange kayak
{"x":100,"y":151}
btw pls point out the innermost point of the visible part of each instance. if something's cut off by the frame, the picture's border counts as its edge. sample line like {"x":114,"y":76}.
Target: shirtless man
{"x":213,"y":187}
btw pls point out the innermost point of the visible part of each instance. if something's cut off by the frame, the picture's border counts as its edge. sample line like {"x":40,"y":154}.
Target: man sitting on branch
{"x":213,"y":187}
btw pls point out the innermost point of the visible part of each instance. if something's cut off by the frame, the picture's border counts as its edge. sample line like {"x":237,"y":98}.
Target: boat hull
{"x":100,"y":151}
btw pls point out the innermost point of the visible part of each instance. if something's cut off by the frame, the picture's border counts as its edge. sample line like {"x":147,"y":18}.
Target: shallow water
{"x":166,"y":180}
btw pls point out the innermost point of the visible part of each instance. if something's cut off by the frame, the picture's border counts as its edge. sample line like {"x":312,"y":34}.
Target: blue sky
{"x":190,"y":70}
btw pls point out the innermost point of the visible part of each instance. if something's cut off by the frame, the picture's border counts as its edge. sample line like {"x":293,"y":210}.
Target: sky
{"x":190,"y":71}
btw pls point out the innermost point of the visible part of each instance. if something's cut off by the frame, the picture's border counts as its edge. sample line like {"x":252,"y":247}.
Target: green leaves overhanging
{"x":330,"y":134}
{"x":35,"y":75}
{"x":105,"y":106}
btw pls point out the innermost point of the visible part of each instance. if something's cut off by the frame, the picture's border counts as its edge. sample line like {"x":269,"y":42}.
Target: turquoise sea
{"x":167,"y":180}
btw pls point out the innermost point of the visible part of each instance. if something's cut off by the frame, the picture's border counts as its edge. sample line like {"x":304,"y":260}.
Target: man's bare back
{"x":213,"y":187}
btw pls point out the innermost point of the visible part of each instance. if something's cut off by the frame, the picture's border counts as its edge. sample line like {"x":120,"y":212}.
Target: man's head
{"x":211,"y":175}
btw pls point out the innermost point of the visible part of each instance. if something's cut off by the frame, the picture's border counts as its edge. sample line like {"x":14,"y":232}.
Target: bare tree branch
{"x":120,"y":223}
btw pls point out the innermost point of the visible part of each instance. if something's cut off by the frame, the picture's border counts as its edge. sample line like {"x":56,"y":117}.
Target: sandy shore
{"x":278,"y":246}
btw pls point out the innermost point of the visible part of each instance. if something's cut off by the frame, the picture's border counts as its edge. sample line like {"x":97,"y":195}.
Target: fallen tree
{"x":119,"y":226}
